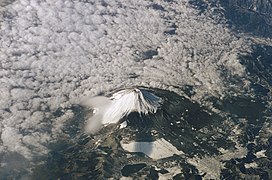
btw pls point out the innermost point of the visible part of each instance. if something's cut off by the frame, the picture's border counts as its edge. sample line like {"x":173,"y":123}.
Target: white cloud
{"x":54,"y":52}
{"x":158,"y":149}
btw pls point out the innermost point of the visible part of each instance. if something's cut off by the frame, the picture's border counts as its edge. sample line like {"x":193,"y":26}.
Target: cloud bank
{"x":52,"y":53}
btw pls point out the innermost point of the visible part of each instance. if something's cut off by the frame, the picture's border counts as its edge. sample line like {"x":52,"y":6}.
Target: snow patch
{"x":111,"y":110}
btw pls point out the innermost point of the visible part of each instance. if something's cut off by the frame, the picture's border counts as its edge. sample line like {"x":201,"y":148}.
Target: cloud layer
{"x":54,"y":52}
